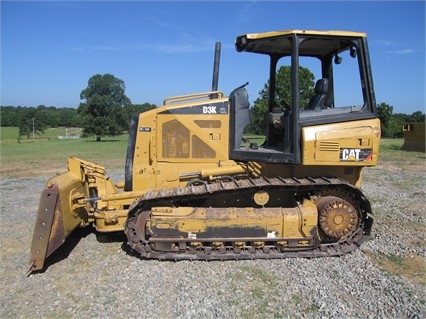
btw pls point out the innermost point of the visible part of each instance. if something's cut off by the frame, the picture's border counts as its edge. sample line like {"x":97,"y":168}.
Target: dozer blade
{"x":62,"y":209}
{"x":49,"y":231}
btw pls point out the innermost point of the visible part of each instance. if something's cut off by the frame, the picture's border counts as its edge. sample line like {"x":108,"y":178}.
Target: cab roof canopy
{"x":316,"y":43}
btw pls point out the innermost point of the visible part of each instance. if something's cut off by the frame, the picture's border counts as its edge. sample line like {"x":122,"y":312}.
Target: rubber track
{"x":313,"y":186}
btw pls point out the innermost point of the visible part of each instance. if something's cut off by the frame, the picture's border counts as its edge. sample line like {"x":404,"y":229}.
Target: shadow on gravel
{"x":75,"y":237}
{"x":129,"y":251}
{"x":65,"y":249}
{"x":115,"y":237}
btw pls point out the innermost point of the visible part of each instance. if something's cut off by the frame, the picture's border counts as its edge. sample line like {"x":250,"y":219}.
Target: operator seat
{"x":318,"y":100}
{"x":240,"y":104}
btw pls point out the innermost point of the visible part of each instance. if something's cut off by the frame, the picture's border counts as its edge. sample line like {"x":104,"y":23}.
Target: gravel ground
{"x":92,"y":279}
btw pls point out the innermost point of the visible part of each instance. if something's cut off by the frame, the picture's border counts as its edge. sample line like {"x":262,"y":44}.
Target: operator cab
{"x":342,"y":90}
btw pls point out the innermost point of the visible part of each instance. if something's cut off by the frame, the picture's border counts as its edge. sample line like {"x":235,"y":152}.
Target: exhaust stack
{"x":216,"y":63}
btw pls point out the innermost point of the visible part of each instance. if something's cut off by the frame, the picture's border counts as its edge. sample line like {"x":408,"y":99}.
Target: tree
{"x":49,"y":115}
{"x":102,"y":113}
{"x":417,"y":117}
{"x":385,"y":112}
{"x":9,"y":116}
{"x":69,"y":117}
{"x":390,"y":126}
{"x":282,"y":96}
{"x":258,"y":117}
{"x":134,"y":109}
{"x":31,"y":122}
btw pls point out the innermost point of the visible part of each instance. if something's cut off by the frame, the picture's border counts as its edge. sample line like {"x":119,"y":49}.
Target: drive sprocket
{"x":338,"y":218}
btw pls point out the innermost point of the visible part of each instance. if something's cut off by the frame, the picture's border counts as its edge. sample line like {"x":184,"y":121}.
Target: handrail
{"x":189,"y":97}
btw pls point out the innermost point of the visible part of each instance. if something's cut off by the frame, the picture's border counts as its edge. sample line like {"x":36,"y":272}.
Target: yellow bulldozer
{"x":414,"y":137}
{"x":192,"y":190}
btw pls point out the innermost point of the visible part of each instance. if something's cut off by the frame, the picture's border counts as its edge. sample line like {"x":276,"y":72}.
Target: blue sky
{"x":49,"y":49}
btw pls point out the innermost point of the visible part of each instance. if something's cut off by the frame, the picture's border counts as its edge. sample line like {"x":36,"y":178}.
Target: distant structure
{"x":414,"y":137}
{"x":71,"y":132}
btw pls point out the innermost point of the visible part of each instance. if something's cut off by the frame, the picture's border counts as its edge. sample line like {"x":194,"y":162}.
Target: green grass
{"x":401,"y":164}
{"x":390,"y":150}
{"x":33,"y":157}
{"x":60,"y":149}
{"x":9,"y":134}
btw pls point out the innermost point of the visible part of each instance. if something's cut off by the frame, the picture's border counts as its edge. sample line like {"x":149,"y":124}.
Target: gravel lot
{"x":92,"y":279}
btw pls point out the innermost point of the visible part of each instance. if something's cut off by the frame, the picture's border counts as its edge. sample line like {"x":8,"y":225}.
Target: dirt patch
{"x":19,"y":171}
{"x":412,"y":267}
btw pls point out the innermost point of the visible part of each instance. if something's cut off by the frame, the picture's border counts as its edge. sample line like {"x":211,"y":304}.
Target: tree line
{"x":106,"y":110}
{"x":43,"y":117}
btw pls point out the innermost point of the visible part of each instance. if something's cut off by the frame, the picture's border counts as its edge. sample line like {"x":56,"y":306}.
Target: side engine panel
{"x":352,"y":143}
